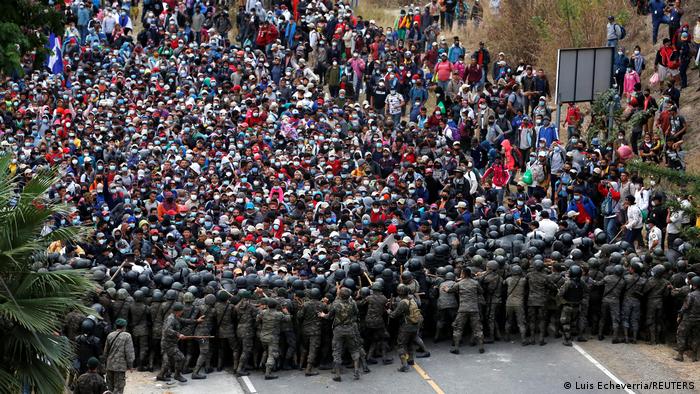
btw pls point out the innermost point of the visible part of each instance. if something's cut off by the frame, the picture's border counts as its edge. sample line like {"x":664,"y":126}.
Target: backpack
{"x":623,"y":32}
{"x":414,"y":316}
{"x":608,"y":205}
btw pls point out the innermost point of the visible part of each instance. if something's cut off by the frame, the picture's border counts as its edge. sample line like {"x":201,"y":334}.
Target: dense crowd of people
{"x":245,"y":215}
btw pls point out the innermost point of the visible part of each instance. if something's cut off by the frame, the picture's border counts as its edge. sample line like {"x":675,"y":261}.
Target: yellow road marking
{"x":428,"y":379}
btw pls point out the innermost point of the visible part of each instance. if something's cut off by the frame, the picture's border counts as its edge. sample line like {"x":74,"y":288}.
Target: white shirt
{"x":548,"y":227}
{"x":634,"y":217}
{"x":654,"y":235}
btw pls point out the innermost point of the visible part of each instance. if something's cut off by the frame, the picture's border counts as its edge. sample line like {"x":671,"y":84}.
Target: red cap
{"x":391,"y":229}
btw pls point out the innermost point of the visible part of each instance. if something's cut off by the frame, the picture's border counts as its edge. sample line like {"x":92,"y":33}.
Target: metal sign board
{"x":583,"y":73}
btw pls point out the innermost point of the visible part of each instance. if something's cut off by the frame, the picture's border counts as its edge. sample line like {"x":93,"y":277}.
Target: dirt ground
{"x":644,"y":363}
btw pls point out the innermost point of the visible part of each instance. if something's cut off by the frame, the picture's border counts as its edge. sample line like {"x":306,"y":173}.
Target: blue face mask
{"x":577,"y":198}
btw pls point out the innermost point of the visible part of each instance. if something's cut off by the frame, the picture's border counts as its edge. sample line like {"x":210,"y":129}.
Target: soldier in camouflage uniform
{"x":410,"y":319}
{"x":246,"y":314}
{"x":375,"y":323}
{"x":515,"y":303}
{"x":171,"y":334}
{"x":90,"y":382}
{"x":689,"y":320}
{"x":119,"y":355}
{"x":138,"y":320}
{"x":655,"y":289}
{"x":469,"y":291}
{"x":595,"y":294}
{"x":492,"y":285}
{"x":446,"y":305}
{"x":553,"y":309}
{"x":207,"y":316}
{"x":287,"y":330}
{"x":120,"y":306}
{"x":225,"y":329}
{"x":159,"y":310}
{"x":270,"y":321}
{"x":614,"y":286}
{"x":572,"y":292}
{"x":539,"y":287}
{"x":189,"y":348}
{"x":310,"y":324}
{"x":631,"y":303}
{"x":343,"y":312}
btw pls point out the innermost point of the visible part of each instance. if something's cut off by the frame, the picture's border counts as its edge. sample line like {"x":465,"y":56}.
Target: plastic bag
{"x":654,"y":79}
{"x":527,"y":177}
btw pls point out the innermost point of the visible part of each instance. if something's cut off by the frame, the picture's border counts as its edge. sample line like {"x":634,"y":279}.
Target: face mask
{"x":154,"y":238}
{"x":521,"y":203}
{"x":375,"y":210}
{"x":577,"y":198}
{"x":442,"y":216}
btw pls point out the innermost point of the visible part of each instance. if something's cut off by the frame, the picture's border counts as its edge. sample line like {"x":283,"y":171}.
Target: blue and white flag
{"x":55,"y":59}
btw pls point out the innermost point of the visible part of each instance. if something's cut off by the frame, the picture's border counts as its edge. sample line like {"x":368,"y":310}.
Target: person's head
{"x":93,"y":363}
{"x":629,"y":200}
{"x":120,"y":324}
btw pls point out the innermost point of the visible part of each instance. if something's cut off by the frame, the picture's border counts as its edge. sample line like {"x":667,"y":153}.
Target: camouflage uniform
{"x":572,"y":292}
{"x":204,"y":328}
{"x":515,"y":305}
{"x":344,"y":314}
{"x":656,"y":289}
{"x":614,"y":285}
{"x":446,"y":307}
{"x":271,"y":321}
{"x":407,"y":330}
{"x":138,"y":321}
{"x":469,"y":292}
{"x":246,"y":313}
{"x":631,"y":306}
{"x":310,"y":325}
{"x":690,"y":323}
{"x":90,"y":383}
{"x":119,"y":354}
{"x":539,"y":287}
{"x":172,"y":356}
{"x":226,"y":333}
{"x":375,"y":324}
{"x":492,"y":285}
{"x":159,"y":311}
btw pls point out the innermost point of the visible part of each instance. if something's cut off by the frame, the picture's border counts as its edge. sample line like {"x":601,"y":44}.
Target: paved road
{"x":504,"y":368}
{"x":216,"y":383}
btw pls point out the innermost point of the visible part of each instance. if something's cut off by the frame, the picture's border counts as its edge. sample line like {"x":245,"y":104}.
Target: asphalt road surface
{"x":504,"y":368}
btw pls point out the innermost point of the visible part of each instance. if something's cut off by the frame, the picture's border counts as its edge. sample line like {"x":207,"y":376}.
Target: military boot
{"x":567,"y":339}
{"x":336,"y":372}
{"x":524,"y":340}
{"x":363,"y":363}
{"x":480,"y":342}
{"x":220,"y":362}
{"x":625,"y":330}
{"x":616,"y":336}
{"x":370,"y":354}
{"x":197,"y":373}
{"x":161,"y":377}
{"x":679,"y":356}
{"x":268,"y":373}
{"x":356,"y":369}
{"x":310,"y":370}
{"x":178,"y":376}
{"x":186,"y":365}
{"x":635,"y":334}
{"x":236,"y":358}
{"x":241,"y":365}
{"x":404,"y":363}
{"x":455,"y":347}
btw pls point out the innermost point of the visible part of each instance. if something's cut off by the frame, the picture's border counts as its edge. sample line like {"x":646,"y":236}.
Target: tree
{"x":33,"y":300}
{"x":676,"y":184}
{"x":23,"y":28}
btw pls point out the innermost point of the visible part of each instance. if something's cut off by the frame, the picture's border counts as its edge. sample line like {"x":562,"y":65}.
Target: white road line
{"x":249,"y":384}
{"x":602,"y":367}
